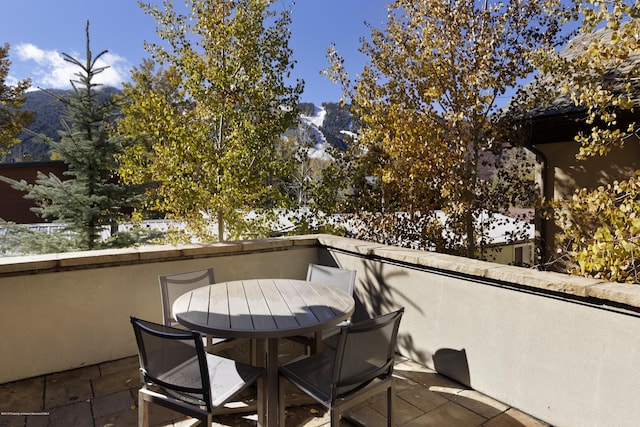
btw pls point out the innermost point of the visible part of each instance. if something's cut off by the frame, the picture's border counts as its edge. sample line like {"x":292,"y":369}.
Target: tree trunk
{"x":220,"y":226}
{"x":471,"y":237}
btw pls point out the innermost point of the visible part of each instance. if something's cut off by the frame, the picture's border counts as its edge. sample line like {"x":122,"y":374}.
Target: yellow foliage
{"x":205,"y":128}
{"x":601,"y":227}
{"x":427,"y":98}
{"x":602,"y":230}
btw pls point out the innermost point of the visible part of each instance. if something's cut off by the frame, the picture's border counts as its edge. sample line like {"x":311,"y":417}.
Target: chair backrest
{"x":173,"y":359}
{"x":365,"y":351}
{"x":338,"y":277}
{"x":172,"y":286}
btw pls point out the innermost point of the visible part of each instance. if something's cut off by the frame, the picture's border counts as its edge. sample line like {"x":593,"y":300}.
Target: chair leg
{"x":143,"y":411}
{"x":253,"y":352}
{"x":334,"y":417}
{"x":391,"y":397}
{"x":316,"y":346}
{"x":282,"y":405}
{"x":209,"y":346}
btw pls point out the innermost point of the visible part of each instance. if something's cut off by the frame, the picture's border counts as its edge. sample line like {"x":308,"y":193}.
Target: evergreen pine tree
{"x":92,"y":198}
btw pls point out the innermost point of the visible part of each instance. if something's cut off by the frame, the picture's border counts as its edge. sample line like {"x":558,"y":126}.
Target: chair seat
{"x":179,"y":374}
{"x":313,"y":374}
{"x":228,"y":377}
{"x":359,"y":367}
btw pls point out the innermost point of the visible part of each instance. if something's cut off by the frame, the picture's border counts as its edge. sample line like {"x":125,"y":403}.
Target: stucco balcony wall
{"x":64,"y":311}
{"x":563,"y":349}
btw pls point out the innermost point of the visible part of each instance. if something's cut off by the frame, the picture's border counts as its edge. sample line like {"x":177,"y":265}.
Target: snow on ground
{"x":318,"y":151}
{"x":319,"y":113}
{"x":353,"y":135}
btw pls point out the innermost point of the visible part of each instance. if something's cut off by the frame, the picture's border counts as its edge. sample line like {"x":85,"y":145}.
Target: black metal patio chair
{"x":342,"y":279}
{"x":173,"y":286}
{"x":177,"y":373}
{"x":361,"y":366}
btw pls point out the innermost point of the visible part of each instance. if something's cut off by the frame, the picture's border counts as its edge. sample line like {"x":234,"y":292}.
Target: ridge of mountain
{"x":328,"y":123}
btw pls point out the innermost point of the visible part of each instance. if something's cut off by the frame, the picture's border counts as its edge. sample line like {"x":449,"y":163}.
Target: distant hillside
{"x":333,"y":122}
{"x":46,"y":121}
{"x":327,"y":123}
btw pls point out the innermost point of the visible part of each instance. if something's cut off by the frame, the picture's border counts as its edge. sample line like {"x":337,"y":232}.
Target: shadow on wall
{"x":453,"y":364}
{"x":375,"y":282}
{"x":387,"y":300}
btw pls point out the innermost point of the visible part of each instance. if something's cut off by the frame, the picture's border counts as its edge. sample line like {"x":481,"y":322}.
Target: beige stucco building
{"x":550,"y":132}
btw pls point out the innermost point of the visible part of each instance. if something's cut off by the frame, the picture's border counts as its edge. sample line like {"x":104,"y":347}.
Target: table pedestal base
{"x":267,"y":357}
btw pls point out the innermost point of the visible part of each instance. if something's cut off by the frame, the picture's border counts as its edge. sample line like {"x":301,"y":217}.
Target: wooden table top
{"x":263,"y":308}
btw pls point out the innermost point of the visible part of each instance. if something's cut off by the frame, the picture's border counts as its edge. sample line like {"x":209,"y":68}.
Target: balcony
{"x":480,"y":343}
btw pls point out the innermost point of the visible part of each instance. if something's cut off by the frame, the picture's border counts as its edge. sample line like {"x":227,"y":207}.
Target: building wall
{"x":522,"y":254}
{"x":14,"y":206}
{"x":564,"y":174}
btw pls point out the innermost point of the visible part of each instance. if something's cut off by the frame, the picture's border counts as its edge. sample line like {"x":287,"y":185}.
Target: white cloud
{"x":27,"y":51}
{"x":51,"y":71}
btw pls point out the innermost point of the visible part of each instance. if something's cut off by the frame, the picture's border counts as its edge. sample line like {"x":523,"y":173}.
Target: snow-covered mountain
{"x":315,"y":122}
{"x":326,"y":125}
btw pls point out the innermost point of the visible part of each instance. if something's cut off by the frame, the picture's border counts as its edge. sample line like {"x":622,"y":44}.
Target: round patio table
{"x":264,"y":310}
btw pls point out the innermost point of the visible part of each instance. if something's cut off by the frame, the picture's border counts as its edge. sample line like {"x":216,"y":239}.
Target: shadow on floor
{"x":106,"y":395}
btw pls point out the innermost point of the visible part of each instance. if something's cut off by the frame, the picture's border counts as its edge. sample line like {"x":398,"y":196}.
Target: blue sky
{"x":39,"y":31}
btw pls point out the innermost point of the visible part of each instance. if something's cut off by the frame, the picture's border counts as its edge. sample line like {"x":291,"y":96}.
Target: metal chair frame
{"x":174,"y":285}
{"x":340,"y":278}
{"x":348,"y":375}
{"x":196,"y":400}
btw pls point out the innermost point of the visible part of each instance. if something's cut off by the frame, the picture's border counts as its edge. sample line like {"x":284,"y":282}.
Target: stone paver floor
{"x":105,"y":395}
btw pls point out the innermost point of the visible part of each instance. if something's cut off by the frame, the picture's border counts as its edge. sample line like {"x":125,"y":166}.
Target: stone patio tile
{"x":84,"y":397}
{"x":22,"y":396}
{"x":69,"y":387}
{"x":370,"y":418}
{"x":321,"y":420}
{"x":38,"y":420}
{"x":310,"y":415}
{"x":160,"y":416}
{"x":123,"y":380}
{"x":403,"y":411}
{"x":422,"y":398}
{"x":446,"y":388}
{"x":408,"y":365}
{"x":86,"y":373}
{"x":112,"y":403}
{"x":12,"y":420}
{"x":514,"y":418}
{"x":450,"y":415}
{"x":428,"y":377}
{"x":479,"y":403}
{"x":120,"y":365}
{"x":119,"y":419}
{"x":250,"y":420}
{"x":77,"y":414}
{"x":402,"y":383}
{"x":306,"y":416}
